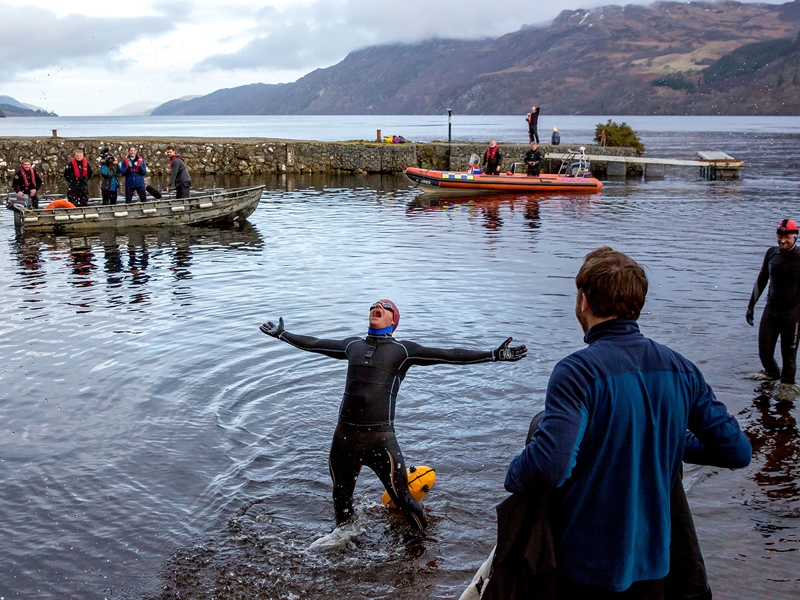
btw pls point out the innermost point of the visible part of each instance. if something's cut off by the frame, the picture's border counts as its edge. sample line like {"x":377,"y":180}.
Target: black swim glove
{"x":271,"y":329}
{"x":749,"y":316}
{"x":506,"y":352}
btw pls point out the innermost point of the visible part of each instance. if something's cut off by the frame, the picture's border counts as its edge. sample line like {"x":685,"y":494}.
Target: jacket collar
{"x":613,"y":327}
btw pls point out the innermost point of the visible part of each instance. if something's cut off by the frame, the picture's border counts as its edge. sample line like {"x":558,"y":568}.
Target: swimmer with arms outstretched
{"x":365,"y":432}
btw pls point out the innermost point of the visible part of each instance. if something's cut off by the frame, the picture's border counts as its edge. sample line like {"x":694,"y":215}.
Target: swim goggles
{"x":385,"y":305}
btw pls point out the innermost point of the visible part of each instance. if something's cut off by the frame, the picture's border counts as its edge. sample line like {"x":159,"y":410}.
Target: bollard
{"x":379,"y":135}
{"x":55,"y":133}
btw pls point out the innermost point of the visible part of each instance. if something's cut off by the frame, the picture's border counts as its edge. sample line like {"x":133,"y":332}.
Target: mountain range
{"x":10,"y":107}
{"x":662,"y":58}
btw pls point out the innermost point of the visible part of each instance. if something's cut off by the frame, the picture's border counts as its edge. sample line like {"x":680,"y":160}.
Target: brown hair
{"x":171,"y":148}
{"x":614,"y":284}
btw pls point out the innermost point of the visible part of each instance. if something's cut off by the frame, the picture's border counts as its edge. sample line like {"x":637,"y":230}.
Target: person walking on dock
{"x":179,"y":178}
{"x":134,"y":170}
{"x":365,"y":432}
{"x":781,"y":316}
{"x":78,"y":172}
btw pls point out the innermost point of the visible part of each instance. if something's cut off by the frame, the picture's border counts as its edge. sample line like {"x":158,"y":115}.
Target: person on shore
{"x":78,"y":172}
{"x":26,"y":184}
{"x":533,"y":124}
{"x":533,"y":158}
{"x":134,"y":170}
{"x":109,"y":187}
{"x":492,"y":159}
{"x":555,"y":139}
{"x":365,"y":432}
{"x":619,"y":417}
{"x":179,"y":178}
{"x":781,"y":316}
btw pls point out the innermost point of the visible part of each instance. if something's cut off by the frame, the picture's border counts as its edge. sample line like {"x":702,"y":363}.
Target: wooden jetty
{"x":713,"y":165}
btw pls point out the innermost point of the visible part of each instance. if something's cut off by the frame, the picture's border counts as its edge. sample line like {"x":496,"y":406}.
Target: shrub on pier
{"x":619,"y":135}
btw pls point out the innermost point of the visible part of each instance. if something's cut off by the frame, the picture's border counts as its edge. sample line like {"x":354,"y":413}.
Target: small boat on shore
{"x":214,"y":207}
{"x":430,"y":180}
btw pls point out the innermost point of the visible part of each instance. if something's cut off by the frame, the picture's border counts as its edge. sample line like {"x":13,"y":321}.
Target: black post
{"x":449,"y":135}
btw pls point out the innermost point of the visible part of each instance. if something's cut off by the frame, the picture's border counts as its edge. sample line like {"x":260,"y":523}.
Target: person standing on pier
{"x":492,"y":159}
{"x":78,"y":172}
{"x":26,"y":184}
{"x":365,"y":432}
{"x":781,"y":317}
{"x":179,"y":178}
{"x":134,"y":169}
{"x":533,"y":124}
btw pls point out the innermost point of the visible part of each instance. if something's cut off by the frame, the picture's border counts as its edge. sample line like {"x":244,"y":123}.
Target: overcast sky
{"x":90,"y":57}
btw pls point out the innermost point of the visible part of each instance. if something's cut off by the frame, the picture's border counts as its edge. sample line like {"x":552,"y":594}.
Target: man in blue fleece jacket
{"x":619,"y":418}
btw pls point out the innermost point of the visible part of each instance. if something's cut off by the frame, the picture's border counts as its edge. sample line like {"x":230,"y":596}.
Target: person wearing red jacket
{"x":78,"y":172}
{"x":26,"y":184}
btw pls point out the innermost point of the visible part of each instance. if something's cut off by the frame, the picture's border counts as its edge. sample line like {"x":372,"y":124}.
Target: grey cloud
{"x":34,"y":38}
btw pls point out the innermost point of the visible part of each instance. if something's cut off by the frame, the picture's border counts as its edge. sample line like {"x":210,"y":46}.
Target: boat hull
{"x":204,"y":209}
{"x":432,"y":181}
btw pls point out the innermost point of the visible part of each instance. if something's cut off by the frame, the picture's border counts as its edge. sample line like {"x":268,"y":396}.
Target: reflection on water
{"x":155,"y":444}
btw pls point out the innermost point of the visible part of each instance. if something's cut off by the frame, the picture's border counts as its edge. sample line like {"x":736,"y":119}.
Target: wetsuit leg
{"x":789,"y":335}
{"x":768,"y":331}
{"x":344,"y":466}
{"x":387,"y":461}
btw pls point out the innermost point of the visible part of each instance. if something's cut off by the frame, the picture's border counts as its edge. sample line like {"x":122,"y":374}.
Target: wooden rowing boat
{"x":205,"y":208}
{"x":430,"y":180}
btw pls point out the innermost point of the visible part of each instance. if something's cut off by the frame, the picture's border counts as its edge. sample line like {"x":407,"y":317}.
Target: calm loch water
{"x":155,"y":444}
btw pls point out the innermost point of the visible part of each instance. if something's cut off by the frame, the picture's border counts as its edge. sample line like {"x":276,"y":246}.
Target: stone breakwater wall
{"x":252,"y":157}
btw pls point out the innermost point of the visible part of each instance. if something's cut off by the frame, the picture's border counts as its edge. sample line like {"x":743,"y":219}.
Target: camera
{"x":106,"y":156}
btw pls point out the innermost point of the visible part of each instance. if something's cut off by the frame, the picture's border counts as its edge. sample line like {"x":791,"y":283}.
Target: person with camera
{"x":78,"y":172}
{"x":134,"y":169}
{"x":26,"y":184}
{"x":179,"y":179}
{"x":533,"y":158}
{"x":110,"y":184}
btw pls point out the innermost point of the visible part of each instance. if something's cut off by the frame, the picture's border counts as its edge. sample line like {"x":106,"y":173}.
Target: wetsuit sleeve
{"x":761,"y":281}
{"x":548,"y":460}
{"x":420,"y":355}
{"x":332,"y":348}
{"x":714,"y":437}
{"x":16,"y":183}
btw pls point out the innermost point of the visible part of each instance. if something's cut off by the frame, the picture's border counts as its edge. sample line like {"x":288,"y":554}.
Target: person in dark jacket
{"x":365,"y":432}
{"x":533,"y":124}
{"x":110,"y":184}
{"x":134,"y":170}
{"x":492,"y":159}
{"x":78,"y":172}
{"x":781,"y":317}
{"x":26,"y":184}
{"x":620,"y":416}
{"x":533,"y":158}
{"x":555,"y":139}
{"x":179,"y":178}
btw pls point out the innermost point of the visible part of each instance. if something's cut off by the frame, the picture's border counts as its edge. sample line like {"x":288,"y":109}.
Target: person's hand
{"x":33,"y":193}
{"x":506,"y":352}
{"x":271,"y":329}
{"x":749,"y":317}
{"x":168,"y":189}
{"x":19,"y":195}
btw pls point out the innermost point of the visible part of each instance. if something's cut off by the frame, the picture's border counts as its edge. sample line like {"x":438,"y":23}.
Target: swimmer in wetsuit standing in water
{"x":781,"y":317}
{"x":365,"y":432}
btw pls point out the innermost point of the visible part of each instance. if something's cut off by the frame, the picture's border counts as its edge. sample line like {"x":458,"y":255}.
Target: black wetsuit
{"x":533,"y":158}
{"x":782,"y":313}
{"x":365,"y":432}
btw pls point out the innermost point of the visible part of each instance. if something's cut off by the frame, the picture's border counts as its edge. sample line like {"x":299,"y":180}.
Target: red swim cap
{"x":787,"y":227}
{"x":395,"y":312}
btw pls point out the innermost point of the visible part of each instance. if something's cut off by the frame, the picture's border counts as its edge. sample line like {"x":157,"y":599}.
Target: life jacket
{"x":25,"y":178}
{"x":491,"y":152}
{"x":134,"y":166}
{"x":84,"y":168}
{"x":172,"y":158}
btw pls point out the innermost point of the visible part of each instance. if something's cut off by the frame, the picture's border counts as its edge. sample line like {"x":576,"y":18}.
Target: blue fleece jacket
{"x":134,"y":171}
{"x":619,"y":417}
